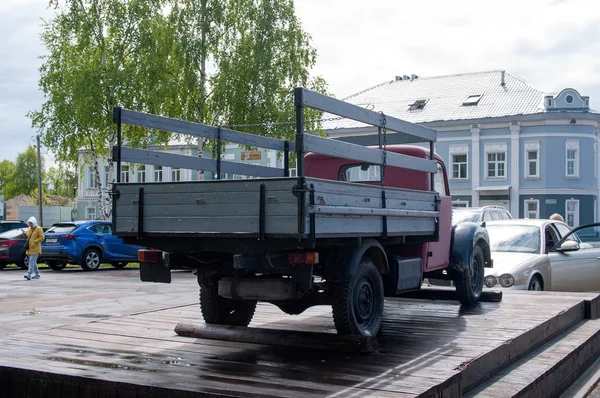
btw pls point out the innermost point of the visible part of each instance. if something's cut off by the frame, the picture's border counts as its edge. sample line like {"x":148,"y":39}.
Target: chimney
{"x":397,"y":78}
{"x":502,"y":80}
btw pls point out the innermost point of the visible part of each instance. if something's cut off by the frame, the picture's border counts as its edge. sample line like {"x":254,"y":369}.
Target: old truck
{"x":357,"y":223}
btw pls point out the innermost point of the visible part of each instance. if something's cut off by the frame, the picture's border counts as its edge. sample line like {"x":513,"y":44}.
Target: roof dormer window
{"x":472,"y":100}
{"x":418,"y":104}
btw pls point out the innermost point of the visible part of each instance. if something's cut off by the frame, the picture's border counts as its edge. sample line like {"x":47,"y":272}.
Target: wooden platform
{"x":428,"y":348}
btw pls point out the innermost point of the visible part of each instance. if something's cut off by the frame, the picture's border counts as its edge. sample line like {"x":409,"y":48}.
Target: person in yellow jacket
{"x":35,"y":236}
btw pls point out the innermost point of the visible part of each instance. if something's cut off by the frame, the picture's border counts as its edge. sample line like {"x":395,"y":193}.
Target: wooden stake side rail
{"x":270,"y":209}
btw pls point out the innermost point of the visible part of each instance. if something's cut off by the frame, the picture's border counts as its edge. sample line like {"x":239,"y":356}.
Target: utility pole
{"x":39,"y":171}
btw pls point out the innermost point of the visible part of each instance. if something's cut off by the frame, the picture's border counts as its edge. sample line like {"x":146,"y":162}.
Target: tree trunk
{"x":202,"y":100}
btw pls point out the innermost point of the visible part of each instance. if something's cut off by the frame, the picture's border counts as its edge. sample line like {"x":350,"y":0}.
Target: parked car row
{"x":536,"y":254}
{"x":84,"y":243}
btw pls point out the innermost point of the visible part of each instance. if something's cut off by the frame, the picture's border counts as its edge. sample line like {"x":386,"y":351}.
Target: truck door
{"x":438,"y":253}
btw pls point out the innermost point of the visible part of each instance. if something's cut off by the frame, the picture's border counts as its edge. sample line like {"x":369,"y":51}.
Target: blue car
{"x":87,"y":243}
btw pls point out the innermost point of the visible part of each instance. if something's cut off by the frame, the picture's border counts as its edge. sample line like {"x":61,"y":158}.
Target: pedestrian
{"x":35,"y":236}
{"x":557,"y":217}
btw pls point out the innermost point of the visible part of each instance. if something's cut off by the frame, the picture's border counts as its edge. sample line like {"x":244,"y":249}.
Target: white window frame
{"x":459,"y":150}
{"x":537,"y":208}
{"x":125,"y":173}
{"x":140,"y":170}
{"x":158,"y":173}
{"x":91,"y":183}
{"x":88,"y":213}
{"x":530,"y":147}
{"x":106,"y":181}
{"x":500,"y":148}
{"x":175,"y":175}
{"x":574,"y":213}
{"x":572,"y":145}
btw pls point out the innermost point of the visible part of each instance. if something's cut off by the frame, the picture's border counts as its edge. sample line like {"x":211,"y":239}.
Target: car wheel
{"x":56,"y":265}
{"x":91,"y":260}
{"x":357,"y":302}
{"x":536,"y":284}
{"x":2,"y":265}
{"x":223,"y":311}
{"x":120,"y":265}
{"x":24,"y":263}
{"x":469,"y":285}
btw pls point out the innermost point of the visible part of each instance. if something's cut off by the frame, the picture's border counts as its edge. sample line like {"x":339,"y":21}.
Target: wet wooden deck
{"x":427,"y":348}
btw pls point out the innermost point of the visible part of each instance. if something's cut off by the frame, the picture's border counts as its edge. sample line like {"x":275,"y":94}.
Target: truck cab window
{"x":360,"y":173}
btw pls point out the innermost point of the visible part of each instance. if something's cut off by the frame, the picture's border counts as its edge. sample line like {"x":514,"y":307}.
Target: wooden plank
{"x":198,"y":130}
{"x":304,"y":340}
{"x":284,"y":225}
{"x":346,"y":150}
{"x":337,"y":107}
{"x":156,"y":158}
{"x":210,"y":186}
{"x":362,"y":211}
{"x":178,"y":209}
{"x":349,"y":226}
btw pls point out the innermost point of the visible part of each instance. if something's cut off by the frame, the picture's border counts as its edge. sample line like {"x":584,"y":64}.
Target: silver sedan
{"x":537,"y":254}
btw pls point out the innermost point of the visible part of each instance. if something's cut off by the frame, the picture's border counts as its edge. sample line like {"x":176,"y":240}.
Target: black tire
{"x":24,"y":263}
{"x":223,"y":311}
{"x":2,"y":266}
{"x":91,"y":260}
{"x":120,"y":265}
{"x":357,"y":303}
{"x":536,"y":284}
{"x":56,"y":265}
{"x":469,"y":285}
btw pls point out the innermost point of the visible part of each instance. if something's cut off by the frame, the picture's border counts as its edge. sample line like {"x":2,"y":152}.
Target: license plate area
{"x":51,"y":240}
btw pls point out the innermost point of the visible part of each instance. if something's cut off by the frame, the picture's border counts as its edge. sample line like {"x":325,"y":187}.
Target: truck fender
{"x":352,"y":255}
{"x":465,"y":236}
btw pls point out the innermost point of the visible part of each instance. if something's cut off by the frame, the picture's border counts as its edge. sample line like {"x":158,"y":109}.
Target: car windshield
{"x":62,"y":228}
{"x":15,"y":233}
{"x":459,"y":216}
{"x":514,"y":238}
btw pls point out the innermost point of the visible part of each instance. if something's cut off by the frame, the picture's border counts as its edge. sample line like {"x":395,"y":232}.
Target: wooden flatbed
{"x":106,"y":334}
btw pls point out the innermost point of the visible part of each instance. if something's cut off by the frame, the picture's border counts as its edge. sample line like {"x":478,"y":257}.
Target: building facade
{"x":504,"y":142}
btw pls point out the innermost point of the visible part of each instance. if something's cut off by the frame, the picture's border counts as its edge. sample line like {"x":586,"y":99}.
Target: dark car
{"x":8,"y":225}
{"x":87,"y":243}
{"x":11,"y":248}
{"x":479,"y":214}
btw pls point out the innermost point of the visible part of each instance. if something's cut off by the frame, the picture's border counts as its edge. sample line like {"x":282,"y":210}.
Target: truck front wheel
{"x":469,"y":284}
{"x":223,"y":311}
{"x":357,"y":302}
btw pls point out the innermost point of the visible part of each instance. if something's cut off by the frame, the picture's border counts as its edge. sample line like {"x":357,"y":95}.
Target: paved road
{"x":72,"y":296}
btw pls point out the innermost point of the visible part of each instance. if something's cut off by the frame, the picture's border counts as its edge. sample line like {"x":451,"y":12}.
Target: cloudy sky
{"x":553,"y":44}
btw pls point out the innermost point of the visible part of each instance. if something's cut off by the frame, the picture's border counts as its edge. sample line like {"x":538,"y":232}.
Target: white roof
{"x":445,"y":95}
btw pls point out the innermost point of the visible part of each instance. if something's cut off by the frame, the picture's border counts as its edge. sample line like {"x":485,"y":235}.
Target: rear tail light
{"x":70,"y":237}
{"x":149,"y":256}
{"x":8,"y":243}
{"x":303,"y":258}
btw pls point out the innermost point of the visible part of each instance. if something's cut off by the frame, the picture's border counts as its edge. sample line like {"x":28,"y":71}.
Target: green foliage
{"x":101,"y":53}
{"x":220,"y":62}
{"x":20,"y":177}
{"x":7,"y":172}
{"x":61,"y":180}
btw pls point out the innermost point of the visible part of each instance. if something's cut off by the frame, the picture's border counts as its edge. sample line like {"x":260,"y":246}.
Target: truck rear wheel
{"x":223,"y":311}
{"x":357,"y":302}
{"x":469,"y":285}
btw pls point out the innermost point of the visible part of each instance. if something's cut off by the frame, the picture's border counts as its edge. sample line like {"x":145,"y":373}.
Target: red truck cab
{"x":435,"y":255}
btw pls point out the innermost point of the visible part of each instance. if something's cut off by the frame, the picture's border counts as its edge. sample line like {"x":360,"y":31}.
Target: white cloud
{"x":553,"y":44}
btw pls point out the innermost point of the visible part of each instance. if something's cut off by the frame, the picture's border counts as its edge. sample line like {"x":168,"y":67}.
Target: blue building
{"x":504,"y":141}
